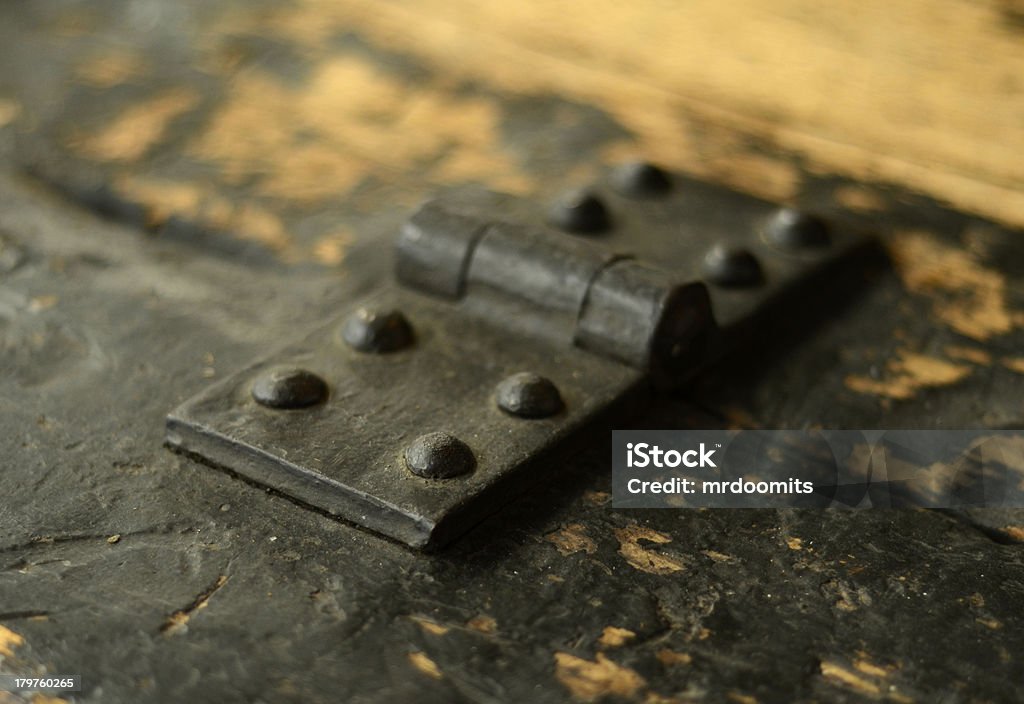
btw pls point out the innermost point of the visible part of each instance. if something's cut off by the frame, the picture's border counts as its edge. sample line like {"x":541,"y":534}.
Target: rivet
{"x":580,"y":211}
{"x":794,"y":229}
{"x":287,"y":387}
{"x":640,"y":179}
{"x":528,"y":395}
{"x":439,"y":456}
{"x":377,"y":331}
{"x":730,"y":266}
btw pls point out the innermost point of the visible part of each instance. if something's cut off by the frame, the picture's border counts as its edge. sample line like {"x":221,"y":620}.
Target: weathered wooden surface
{"x":251,"y":162}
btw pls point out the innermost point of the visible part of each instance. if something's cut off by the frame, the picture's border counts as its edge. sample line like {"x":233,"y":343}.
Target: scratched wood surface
{"x":187,"y":183}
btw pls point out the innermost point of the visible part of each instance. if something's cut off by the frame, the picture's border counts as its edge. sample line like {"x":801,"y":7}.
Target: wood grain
{"x":929,"y":95}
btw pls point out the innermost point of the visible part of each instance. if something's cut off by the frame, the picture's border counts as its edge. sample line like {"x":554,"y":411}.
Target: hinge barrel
{"x":578,"y":291}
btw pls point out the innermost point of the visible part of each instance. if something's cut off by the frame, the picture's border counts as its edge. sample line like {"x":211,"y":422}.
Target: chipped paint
{"x":9,"y":640}
{"x":741,"y":698}
{"x":41,"y":303}
{"x":318,"y":139}
{"x":909,"y":373}
{"x":571,"y":539}
{"x":990,"y":623}
{"x":705,"y":115}
{"x":136,"y":130}
{"x":838,"y":674}
{"x":164,"y":199}
{"x":9,"y":111}
{"x":178,"y":621}
{"x":613,"y":636}
{"x":483,"y":624}
{"x":671,"y":657}
{"x":641,"y":558}
{"x":869,"y":668}
{"x":39,"y":698}
{"x":718,"y":556}
{"x":1013,"y":363}
{"x":431,"y":627}
{"x":969,"y":354}
{"x":425,"y":665}
{"x":331,"y":249}
{"x":972,"y":298}
{"x":859,"y":199}
{"x":1014,"y":532}
{"x":111,"y":69}
{"x":591,"y":679}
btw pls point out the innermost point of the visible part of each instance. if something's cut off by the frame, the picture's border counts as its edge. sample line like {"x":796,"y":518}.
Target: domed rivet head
{"x":439,"y":456}
{"x":528,"y":395}
{"x":794,"y":229}
{"x":640,"y":179}
{"x":580,"y":211}
{"x":285,"y":388}
{"x":731,"y":267}
{"x":377,"y":331}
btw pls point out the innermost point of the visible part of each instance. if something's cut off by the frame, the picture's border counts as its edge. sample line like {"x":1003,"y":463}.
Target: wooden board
{"x":187,"y":183}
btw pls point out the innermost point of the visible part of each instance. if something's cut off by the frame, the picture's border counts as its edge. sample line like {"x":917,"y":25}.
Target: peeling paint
{"x":741,"y":698}
{"x":319,"y":139}
{"x":9,"y":111}
{"x":969,"y":354}
{"x":9,"y":640}
{"x":907,"y":374}
{"x":1013,"y":363}
{"x":706,"y":116}
{"x":331,"y":249}
{"x":112,"y":69}
{"x":164,"y":199}
{"x":431,"y":627}
{"x":613,"y":636}
{"x":671,"y":657}
{"x":425,"y":665}
{"x":972,"y":298}
{"x":178,"y":621}
{"x":860,"y":199}
{"x":841,"y":675}
{"x":641,"y":558}
{"x":591,"y":679}
{"x":136,"y":130}
{"x":483,"y":624}
{"x":869,"y":668}
{"x":571,"y":539}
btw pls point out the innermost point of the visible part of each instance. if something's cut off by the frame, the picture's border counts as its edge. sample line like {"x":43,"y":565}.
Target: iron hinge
{"x":430,"y":403}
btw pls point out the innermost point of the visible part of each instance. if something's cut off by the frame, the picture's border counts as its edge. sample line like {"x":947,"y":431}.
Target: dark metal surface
{"x":563,"y":327}
{"x":346,"y":455}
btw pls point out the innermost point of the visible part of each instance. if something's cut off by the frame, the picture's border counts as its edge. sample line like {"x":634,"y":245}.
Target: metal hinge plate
{"x":405,"y":415}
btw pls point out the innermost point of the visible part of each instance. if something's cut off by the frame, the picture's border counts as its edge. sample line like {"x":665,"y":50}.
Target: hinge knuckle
{"x":636,"y":314}
{"x":571,"y":289}
{"x":434,"y":249}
